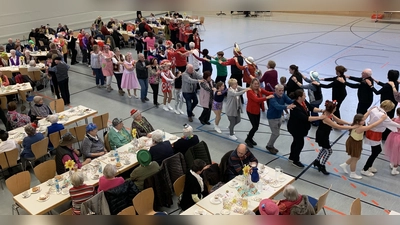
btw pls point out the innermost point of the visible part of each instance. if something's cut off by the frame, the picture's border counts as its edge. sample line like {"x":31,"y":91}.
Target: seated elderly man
{"x":54,"y":127}
{"x":118,"y":135}
{"x":140,"y":126}
{"x":160,"y":149}
{"x":8,"y":144}
{"x":240,"y":157}
{"x":39,"y":110}
{"x":188,"y":140}
{"x":92,"y":145}
{"x":10,"y":45}
{"x":14,"y":59}
{"x":146,"y":169}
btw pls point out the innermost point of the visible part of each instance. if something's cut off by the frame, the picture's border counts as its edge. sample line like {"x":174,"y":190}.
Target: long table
{"x":34,"y":207}
{"x":268,"y":189}
{"x":13,"y":89}
{"x":15,"y":69}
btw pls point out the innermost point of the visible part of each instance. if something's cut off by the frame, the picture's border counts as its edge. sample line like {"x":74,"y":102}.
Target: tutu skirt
{"x":392,"y":148}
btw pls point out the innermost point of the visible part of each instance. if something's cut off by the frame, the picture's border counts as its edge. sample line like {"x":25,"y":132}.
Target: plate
{"x":233,"y":184}
{"x":256,"y":199}
{"x":40,"y":200}
{"x":34,"y":192}
{"x":200,"y":212}
{"x":174,"y":137}
{"x":239,"y":178}
{"x":29,"y":195}
{"x":225,"y":212}
{"x":96,"y":177}
{"x":275,"y":184}
{"x":215,"y":201}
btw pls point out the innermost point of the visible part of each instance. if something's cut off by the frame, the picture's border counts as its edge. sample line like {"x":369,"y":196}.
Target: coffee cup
{"x":126,"y":162}
{"x":50,"y":182}
{"x":25,"y":194}
{"x":64,"y":191}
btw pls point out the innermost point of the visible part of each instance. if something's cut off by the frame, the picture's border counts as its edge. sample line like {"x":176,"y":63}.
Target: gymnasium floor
{"x":313,"y":42}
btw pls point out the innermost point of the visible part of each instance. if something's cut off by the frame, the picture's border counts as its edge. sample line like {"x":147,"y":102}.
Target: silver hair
{"x":12,"y":51}
{"x":157,"y":136}
{"x":32,"y":63}
{"x":77,"y":179}
{"x":279,"y":86}
{"x":110,"y":171}
{"x":368,"y":71}
{"x":116,"y":49}
{"x":290,"y":193}
{"x":191,"y":44}
{"x":53,"y":118}
{"x":37,"y":99}
{"x":136,"y":114}
{"x":29,"y":130}
{"x":188,"y":131}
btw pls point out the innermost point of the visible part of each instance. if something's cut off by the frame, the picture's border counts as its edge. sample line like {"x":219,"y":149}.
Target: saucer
{"x":43,"y":200}
{"x":215,"y":201}
{"x":35,"y":192}
{"x":200,"y":212}
{"x":225,"y":212}
{"x":233,"y":184}
{"x":29,"y":195}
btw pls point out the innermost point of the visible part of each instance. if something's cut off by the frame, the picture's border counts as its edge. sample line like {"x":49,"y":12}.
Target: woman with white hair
{"x":54,"y":127}
{"x":39,"y":110}
{"x":27,"y":56}
{"x":161,"y":149}
{"x":80,"y":192}
{"x":32,"y":138}
{"x":188,"y":140}
{"x":108,"y":180}
{"x":292,"y":198}
{"x":14,"y":59}
{"x":140,"y":126}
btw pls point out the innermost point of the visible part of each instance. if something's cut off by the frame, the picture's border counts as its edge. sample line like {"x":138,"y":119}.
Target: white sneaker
{"x":129,"y":96}
{"x":367,"y":173}
{"x":180,"y":110}
{"x":216,"y":128}
{"x":344,"y":167}
{"x":391,"y":166}
{"x":233,"y":137}
{"x":169,"y":107}
{"x":372,"y":170}
{"x":176,"y":111}
{"x":394,"y":171}
{"x":165,"y":108}
{"x":355,"y":176}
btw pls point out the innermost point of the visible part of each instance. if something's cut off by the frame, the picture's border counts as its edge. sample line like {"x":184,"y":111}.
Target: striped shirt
{"x":79,"y":195}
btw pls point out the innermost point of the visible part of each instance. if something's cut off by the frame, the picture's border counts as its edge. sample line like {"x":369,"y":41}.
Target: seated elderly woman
{"x":188,"y":140}
{"x":108,"y":180}
{"x":92,"y":145}
{"x":66,"y":152}
{"x":14,"y":59}
{"x":32,"y":138}
{"x":118,"y":135}
{"x":15,"y":118}
{"x":194,"y":189}
{"x":79,"y":192}
{"x":294,"y":203}
{"x":160,"y":149}
{"x":140,"y":126}
{"x":39,"y":110}
{"x":54,"y":127}
{"x":4,"y":80}
{"x":146,"y":168}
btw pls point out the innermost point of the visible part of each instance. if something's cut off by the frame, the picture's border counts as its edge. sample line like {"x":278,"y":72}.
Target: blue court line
{"x":306,"y":165}
{"x":346,"y":48}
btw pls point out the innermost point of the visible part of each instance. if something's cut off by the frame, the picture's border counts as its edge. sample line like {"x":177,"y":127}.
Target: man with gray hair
{"x":189,"y":80}
{"x":277,"y":104}
{"x":191,"y":59}
{"x":364,"y":92}
{"x":10,"y":45}
{"x":161,"y":149}
{"x":188,"y":140}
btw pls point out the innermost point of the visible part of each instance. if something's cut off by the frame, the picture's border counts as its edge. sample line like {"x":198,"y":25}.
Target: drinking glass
{"x":245,"y":203}
{"x":226,"y":204}
{"x":278,"y":173}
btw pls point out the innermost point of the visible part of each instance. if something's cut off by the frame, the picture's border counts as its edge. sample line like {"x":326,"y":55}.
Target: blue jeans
{"x":99,"y":76}
{"x":144,"y":86}
{"x":191,"y":102}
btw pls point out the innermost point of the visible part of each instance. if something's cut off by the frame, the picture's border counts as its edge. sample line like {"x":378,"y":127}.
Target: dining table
{"x":13,"y":89}
{"x":237,"y":196}
{"x":31,"y":201}
{"x":15,"y":69}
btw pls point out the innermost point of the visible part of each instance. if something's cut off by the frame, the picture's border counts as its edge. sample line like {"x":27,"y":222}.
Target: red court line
{"x":386,"y":211}
{"x":328,"y":163}
{"x":317,"y":150}
{"x":363,"y":193}
{"x":335,"y":211}
{"x":312,"y":144}
{"x":308,"y":139}
{"x":353,"y":185}
{"x":336,"y":170}
{"x":344,"y":178}
{"x":385,"y":64}
{"x":373,"y":201}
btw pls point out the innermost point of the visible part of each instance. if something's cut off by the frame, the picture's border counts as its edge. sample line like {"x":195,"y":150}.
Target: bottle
{"x":255,"y":177}
{"x":57,"y":186}
{"x":116,"y":154}
{"x":100,"y":168}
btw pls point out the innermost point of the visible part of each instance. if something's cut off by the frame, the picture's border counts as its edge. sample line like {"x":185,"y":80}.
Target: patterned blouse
{"x":141,"y":128}
{"x":17,"y":119}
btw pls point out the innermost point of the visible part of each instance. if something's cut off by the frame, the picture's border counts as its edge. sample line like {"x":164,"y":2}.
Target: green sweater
{"x":221,"y":70}
{"x":118,"y":139}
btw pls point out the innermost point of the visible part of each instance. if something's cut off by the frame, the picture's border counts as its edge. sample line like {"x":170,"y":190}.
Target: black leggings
{"x":375,"y":151}
{"x":205,"y":115}
{"x":296,"y":147}
{"x":255,"y":122}
{"x":337,"y":112}
{"x":118,"y":76}
{"x":220,"y":78}
{"x":155,"y":89}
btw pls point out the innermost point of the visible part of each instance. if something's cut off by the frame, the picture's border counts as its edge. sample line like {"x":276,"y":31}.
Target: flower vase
{"x":255,"y":177}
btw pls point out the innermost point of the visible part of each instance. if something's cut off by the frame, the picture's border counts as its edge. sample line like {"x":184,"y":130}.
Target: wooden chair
{"x":4,"y":102}
{"x":179,"y":185}
{"x":39,"y":149}
{"x":319,"y":203}
{"x":57,"y":105}
{"x":56,"y":136}
{"x":356,"y":207}
{"x":101,"y":121}
{"x":7,"y":73}
{"x":45,"y":171}
{"x":107,"y":143}
{"x":35,"y":75}
{"x":201,"y":22}
{"x":23,"y":97}
{"x":144,"y":202}
{"x":17,"y":184}
{"x":68,"y":212}
{"x":128,"y":211}
{"x":79,"y":132}
{"x":23,"y":71}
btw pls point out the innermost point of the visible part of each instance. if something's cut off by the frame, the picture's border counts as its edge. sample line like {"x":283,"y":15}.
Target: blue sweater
{"x":52,"y":129}
{"x":27,"y":143}
{"x":277,"y":105}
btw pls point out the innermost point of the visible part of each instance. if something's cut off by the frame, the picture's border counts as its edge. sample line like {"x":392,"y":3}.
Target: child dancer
{"x":392,"y":146}
{"x":217,"y":103}
{"x":167,"y":79}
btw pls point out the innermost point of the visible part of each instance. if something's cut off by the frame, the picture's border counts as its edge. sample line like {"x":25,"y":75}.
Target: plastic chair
{"x":144,"y":202}
{"x":39,"y":149}
{"x":101,"y":121}
{"x":79,"y":132}
{"x":68,"y":212}
{"x":128,"y":211}
{"x":23,"y":71}
{"x":45,"y":170}
{"x":201,"y":23}
{"x":319,"y":203}
{"x":356,"y":207}
{"x":57,"y":105}
{"x":179,"y":185}
{"x":4,"y":102}
{"x":56,"y":136}
{"x":107,"y":143}
{"x":7,"y":73}
{"x":17,"y":184}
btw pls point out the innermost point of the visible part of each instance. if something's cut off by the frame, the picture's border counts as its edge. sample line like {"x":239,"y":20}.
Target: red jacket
{"x":256,"y":102}
{"x":180,"y":60}
{"x":249,"y":72}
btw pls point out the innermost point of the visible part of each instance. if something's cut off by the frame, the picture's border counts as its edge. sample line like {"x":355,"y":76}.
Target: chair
{"x":143,"y":202}
{"x":201,"y":22}
{"x":34,"y":75}
{"x":7,"y":73}
{"x":319,"y":203}
{"x":17,"y":184}
{"x":45,"y":171}
{"x":129,"y":211}
{"x":179,"y":185}
{"x":56,"y":136}
{"x":23,"y":71}
{"x":107,"y":143}
{"x":39,"y":149}
{"x":57,"y":105}
{"x":223,"y":166}
{"x":24,"y":98}
{"x":356,"y":207}
{"x":8,"y":160}
{"x":101,"y":121}
{"x":68,"y":212}
{"x":199,"y":151}
{"x":33,"y":39}
{"x":4,"y":102}
{"x":79,"y":132}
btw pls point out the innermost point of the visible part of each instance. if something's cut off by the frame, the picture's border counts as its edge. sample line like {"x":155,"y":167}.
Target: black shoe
{"x":156,"y":105}
{"x":202,"y":122}
{"x":316,"y":164}
{"x":248,"y":143}
{"x":146,"y":99}
{"x":190,"y":119}
{"x":253,"y":142}
{"x":298,"y":164}
{"x":143,"y":100}
{"x":272,"y":150}
{"x":208,"y":123}
{"x":322,"y":169}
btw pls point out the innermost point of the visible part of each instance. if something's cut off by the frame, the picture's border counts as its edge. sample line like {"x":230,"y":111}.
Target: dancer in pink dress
{"x":107,"y":66}
{"x":392,"y":146}
{"x":129,"y":79}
